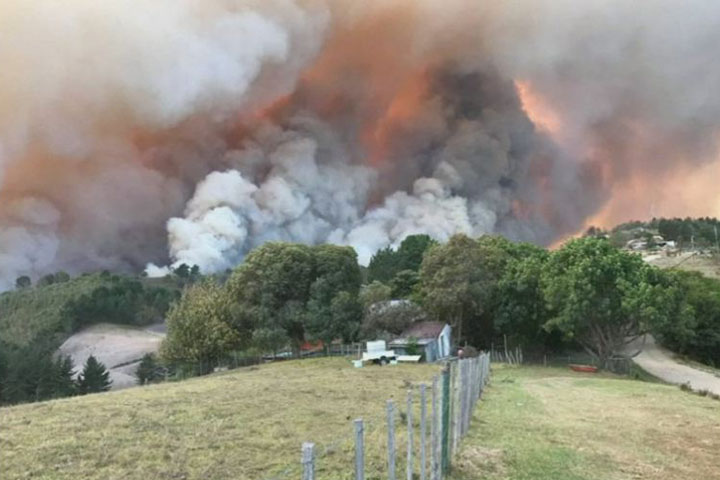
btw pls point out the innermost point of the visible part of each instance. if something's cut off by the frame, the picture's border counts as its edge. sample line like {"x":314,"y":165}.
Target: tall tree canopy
{"x":603,"y":297}
{"x":201,"y":327}
{"x":298,"y":289}
{"x":458,"y":280}
{"x":387,"y":263}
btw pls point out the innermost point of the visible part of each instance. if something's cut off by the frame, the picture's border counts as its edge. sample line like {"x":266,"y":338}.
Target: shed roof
{"x":422,"y":330}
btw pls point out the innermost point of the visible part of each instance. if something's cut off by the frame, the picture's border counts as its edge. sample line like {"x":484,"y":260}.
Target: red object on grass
{"x":583,"y":368}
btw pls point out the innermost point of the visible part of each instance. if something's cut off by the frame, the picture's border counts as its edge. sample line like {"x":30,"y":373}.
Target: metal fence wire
{"x":444,"y":407}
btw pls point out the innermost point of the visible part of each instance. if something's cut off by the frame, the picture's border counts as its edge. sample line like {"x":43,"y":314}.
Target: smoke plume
{"x":190,"y":131}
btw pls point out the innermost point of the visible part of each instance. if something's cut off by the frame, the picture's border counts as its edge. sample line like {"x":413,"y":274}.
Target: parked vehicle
{"x":377,"y":352}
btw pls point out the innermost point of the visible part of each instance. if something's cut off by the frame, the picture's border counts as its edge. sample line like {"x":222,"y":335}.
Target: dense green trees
{"x":33,"y":373}
{"x":149,"y":370}
{"x":120,"y":300}
{"x":282,"y":294}
{"x":489,"y":289}
{"x":307,"y":292}
{"x":201,"y":327}
{"x":602,"y":297}
{"x":458,"y":282}
{"x":520,"y":309}
{"x":387,"y":263}
{"x":696,"y":333}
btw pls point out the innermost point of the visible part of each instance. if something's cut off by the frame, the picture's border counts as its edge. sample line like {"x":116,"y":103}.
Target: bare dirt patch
{"x":118,"y":347}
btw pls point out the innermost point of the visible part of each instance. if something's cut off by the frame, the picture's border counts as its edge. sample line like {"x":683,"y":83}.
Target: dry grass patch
{"x":244,"y":424}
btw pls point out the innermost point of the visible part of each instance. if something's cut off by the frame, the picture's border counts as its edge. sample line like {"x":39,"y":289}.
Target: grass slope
{"x":708,"y":266}
{"x":551,"y":424}
{"x":243,"y":424}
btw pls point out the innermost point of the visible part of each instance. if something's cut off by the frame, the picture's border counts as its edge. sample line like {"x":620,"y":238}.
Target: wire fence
{"x":621,"y":365}
{"x":421,"y":439}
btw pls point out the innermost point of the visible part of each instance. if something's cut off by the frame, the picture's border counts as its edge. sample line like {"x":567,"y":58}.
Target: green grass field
{"x":552,"y":424}
{"x":243,"y":424}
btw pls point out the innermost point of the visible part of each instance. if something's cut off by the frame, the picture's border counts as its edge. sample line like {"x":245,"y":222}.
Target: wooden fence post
{"x":391,"y":440}
{"x":434,"y":432}
{"x":308,"y":461}
{"x":409,"y":436}
{"x":359,"y":450}
{"x":445,"y":432}
{"x":423,"y":431}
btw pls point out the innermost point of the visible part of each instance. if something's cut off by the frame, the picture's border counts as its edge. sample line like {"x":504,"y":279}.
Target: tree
{"x":272,"y":287}
{"x":696,"y":334}
{"x":387,"y":263}
{"x":383,"y":266}
{"x":46,"y":280}
{"x":458,"y":280}
{"x":62,"y":277}
{"x":335,"y":287}
{"x":149,"y":371}
{"x":521,"y":311}
{"x":200,"y":327}
{"x":94,"y":377}
{"x":602,"y":297}
{"x":299,"y":289}
{"x":182,"y":271}
{"x":23,"y":282}
{"x":385,"y":319}
{"x":374,"y":293}
{"x":63,"y":383}
{"x":404,"y":283}
{"x":412,"y":250}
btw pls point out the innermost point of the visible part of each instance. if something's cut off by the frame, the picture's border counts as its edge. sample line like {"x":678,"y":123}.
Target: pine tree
{"x":64,"y":386}
{"x":94,"y":377}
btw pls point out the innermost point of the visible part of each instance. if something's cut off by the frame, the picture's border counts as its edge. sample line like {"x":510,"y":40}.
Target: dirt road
{"x":659,"y":362}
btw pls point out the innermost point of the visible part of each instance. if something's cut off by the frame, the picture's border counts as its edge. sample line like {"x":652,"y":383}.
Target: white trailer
{"x":377,"y":352}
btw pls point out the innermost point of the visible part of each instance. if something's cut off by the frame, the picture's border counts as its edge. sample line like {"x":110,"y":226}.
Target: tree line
{"x":587,"y":295}
{"x":34,"y":373}
{"x":701,"y":232}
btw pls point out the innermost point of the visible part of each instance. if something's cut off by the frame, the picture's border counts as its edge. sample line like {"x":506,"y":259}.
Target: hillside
{"x":243,"y":424}
{"x":36,"y":312}
{"x":552,"y":424}
{"x":534,"y":423}
{"x":29,"y":313}
{"x":119,"y":347}
{"x":708,"y":265}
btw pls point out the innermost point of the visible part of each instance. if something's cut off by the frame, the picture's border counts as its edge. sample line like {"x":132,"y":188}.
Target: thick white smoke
{"x":211,"y":126}
{"x":86,"y":89}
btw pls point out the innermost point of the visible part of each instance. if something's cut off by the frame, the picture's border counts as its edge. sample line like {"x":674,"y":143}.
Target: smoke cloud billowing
{"x":193,"y":130}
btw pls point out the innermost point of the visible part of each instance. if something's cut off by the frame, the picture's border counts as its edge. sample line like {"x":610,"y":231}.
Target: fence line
{"x":454,"y":395}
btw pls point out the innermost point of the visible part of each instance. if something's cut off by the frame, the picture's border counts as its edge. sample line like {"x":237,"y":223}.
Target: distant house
{"x":431,"y":338}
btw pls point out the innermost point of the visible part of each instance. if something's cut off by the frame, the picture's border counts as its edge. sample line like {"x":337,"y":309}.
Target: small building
{"x":432,"y":340}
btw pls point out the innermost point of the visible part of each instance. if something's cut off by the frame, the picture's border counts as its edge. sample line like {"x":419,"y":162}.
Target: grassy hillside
{"x":243,"y":424}
{"x":31,"y":313}
{"x":551,"y":424}
{"x":707,"y":265}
